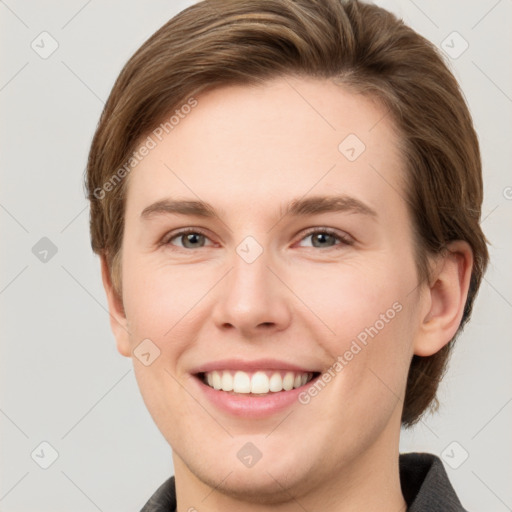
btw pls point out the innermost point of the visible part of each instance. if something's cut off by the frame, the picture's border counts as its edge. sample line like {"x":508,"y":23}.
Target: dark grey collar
{"x":425,"y":486}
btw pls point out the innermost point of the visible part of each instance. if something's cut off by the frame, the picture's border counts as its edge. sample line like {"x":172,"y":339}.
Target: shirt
{"x":425,"y":487}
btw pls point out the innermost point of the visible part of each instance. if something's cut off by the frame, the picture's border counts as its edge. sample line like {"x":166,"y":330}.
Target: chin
{"x":264,"y":487}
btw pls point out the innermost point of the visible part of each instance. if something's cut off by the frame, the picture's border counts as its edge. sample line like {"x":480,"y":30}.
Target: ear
{"x":118,"y":322}
{"x":446,"y":298}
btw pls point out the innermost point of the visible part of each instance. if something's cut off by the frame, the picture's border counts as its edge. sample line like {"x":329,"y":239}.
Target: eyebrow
{"x":296,"y":208}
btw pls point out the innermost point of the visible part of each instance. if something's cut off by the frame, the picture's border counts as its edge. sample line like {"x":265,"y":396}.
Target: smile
{"x":261,"y":382}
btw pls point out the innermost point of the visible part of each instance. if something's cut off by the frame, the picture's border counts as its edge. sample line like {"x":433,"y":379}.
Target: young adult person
{"x":285,"y":195}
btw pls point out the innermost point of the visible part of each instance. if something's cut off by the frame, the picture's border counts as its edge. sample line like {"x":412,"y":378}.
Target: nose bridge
{"x":251,"y":295}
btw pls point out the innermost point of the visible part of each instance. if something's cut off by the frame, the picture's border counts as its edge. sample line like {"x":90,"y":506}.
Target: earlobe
{"x":447,"y":296}
{"x":118,"y":321}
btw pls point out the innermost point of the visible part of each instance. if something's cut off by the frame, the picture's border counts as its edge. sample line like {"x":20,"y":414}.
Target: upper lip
{"x":244,"y":365}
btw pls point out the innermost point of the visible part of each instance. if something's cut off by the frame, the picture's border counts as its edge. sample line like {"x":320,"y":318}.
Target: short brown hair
{"x":361,"y":46}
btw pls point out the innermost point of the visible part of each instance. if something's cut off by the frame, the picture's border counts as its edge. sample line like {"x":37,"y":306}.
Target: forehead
{"x":252,"y":146}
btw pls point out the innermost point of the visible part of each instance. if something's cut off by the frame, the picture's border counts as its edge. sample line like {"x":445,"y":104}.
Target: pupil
{"x":191,"y":238}
{"x":321,"y":237}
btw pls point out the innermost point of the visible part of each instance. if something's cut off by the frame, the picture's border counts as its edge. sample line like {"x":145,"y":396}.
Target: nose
{"x":252,"y":298}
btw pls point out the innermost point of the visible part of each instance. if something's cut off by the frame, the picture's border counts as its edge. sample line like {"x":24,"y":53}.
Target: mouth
{"x":262,"y":382}
{"x":253,"y":389}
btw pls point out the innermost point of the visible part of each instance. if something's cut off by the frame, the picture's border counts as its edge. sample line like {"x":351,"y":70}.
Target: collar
{"x":425,"y":487}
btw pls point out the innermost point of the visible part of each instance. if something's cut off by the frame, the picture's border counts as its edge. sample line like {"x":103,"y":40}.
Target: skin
{"x":248,"y":151}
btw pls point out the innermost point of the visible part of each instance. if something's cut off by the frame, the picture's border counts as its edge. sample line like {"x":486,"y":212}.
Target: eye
{"x":320,"y":238}
{"x":190,"y":239}
{"x":324,"y":237}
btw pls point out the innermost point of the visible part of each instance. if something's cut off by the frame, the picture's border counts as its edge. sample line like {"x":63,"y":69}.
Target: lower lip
{"x":250,"y":406}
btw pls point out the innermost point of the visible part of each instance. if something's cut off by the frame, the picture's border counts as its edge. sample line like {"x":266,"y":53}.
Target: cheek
{"x":351,"y":298}
{"x":157,"y":297}
{"x":369,"y":316}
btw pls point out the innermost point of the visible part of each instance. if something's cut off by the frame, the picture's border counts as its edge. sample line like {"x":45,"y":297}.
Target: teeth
{"x":288,"y":381}
{"x":241,"y":382}
{"x":216,"y":380}
{"x":276,"y":382}
{"x":260,"y":382}
{"x":227,"y":381}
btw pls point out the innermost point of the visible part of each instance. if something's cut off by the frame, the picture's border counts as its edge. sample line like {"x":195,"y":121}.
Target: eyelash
{"x":344,"y":240}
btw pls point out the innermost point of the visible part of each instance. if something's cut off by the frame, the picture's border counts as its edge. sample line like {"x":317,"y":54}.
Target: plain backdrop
{"x":64,"y":384}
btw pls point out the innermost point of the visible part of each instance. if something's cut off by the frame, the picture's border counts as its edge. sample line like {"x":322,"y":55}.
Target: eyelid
{"x":343,"y":238}
{"x":175,"y":234}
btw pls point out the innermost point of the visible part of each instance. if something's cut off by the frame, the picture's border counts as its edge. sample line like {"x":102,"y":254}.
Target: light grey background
{"x":62,"y":380}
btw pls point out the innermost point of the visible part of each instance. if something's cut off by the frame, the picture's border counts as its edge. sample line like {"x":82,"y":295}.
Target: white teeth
{"x":260,"y":382}
{"x":241,"y":383}
{"x":217,"y":383}
{"x":288,"y":381}
{"x":276,"y":382}
{"x":227,"y":381}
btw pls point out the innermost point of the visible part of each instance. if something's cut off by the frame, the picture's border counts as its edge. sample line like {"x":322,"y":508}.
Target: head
{"x":253,"y":106}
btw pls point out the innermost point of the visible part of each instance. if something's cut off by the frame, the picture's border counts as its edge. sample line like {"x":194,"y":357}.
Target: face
{"x":301,"y":263}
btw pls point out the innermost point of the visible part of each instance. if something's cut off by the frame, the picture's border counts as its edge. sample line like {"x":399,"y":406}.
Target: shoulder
{"x":425,"y":484}
{"x":163,"y":499}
